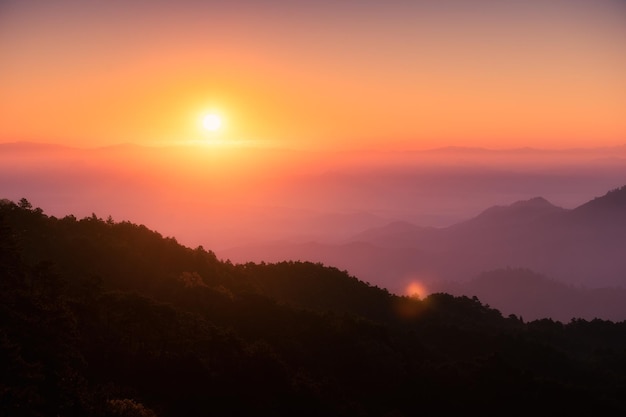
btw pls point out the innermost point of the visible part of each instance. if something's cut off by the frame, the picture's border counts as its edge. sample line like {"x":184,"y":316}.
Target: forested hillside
{"x":106,"y":318}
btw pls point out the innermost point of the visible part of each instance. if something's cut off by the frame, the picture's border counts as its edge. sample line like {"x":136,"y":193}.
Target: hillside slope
{"x":111,"y":319}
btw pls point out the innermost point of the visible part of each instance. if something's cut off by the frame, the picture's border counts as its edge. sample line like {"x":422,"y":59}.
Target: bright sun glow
{"x":212,"y":122}
{"x":416,"y":289}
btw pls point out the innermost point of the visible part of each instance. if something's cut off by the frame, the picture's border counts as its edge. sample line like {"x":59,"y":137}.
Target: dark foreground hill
{"x":102,"y":318}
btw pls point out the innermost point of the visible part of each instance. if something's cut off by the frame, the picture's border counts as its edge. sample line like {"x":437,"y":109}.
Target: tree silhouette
{"x":112,"y":319}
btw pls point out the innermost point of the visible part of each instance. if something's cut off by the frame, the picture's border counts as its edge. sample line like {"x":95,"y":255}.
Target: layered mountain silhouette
{"x":533,"y":296}
{"x":583,"y":247}
{"x":103,"y":318}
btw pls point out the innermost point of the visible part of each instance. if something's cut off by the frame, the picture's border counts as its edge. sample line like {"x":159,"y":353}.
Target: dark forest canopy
{"x":106,"y":318}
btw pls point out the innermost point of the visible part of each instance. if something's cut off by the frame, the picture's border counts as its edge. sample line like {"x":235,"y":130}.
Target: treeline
{"x":106,"y":318}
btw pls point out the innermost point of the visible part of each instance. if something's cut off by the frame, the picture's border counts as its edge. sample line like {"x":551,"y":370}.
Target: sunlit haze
{"x":316,"y":75}
{"x":312,"y":208}
{"x":228,"y":124}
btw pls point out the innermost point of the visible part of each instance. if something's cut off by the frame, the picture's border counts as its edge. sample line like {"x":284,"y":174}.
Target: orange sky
{"x":315,"y":75}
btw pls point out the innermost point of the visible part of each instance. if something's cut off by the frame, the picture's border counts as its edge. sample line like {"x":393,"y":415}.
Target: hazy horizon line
{"x":257,"y":145}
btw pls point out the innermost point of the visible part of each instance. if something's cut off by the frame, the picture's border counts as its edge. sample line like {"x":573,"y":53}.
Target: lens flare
{"x":416,"y":289}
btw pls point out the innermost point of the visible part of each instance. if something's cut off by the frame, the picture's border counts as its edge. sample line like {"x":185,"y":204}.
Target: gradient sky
{"x":315,"y":74}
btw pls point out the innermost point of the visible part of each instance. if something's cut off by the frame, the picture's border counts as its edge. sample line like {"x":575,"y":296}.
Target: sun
{"x":212,"y":122}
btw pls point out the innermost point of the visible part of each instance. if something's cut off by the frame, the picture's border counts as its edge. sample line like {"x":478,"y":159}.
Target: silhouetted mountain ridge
{"x":538,"y":204}
{"x":534,"y":296}
{"x":106,"y":318}
{"x":581,"y":247}
{"x":614,"y":200}
{"x":519,"y":213}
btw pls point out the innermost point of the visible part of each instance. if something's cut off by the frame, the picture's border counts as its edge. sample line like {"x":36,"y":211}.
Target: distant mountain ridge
{"x":613,"y":200}
{"x":533,"y":296}
{"x":584,"y":246}
{"x":519,"y":213}
{"x":534,"y":206}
